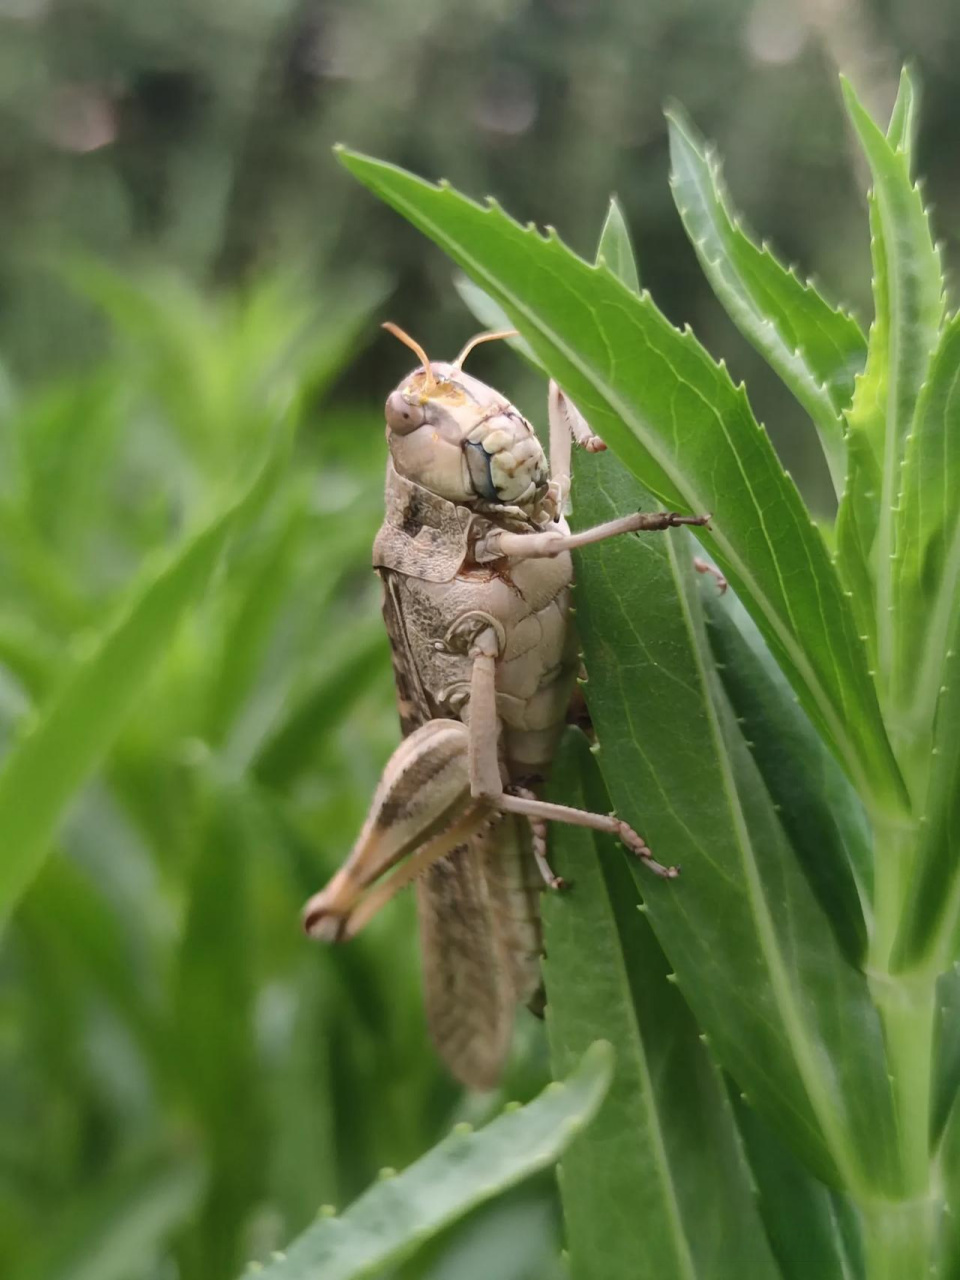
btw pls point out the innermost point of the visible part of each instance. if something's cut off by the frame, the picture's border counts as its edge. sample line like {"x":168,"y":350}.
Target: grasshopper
{"x":474,"y":557}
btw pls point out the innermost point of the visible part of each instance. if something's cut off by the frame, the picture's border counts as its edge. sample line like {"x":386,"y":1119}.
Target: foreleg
{"x":526,"y":546}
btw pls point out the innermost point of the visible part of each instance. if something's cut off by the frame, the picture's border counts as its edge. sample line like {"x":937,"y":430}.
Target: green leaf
{"x":28,"y":653}
{"x":402,"y":1211}
{"x":926,"y":572}
{"x":616,"y":249}
{"x":687,"y":432}
{"x":948,"y":1170}
{"x":213,"y":1007}
{"x":492,"y":316}
{"x":947,"y":1056}
{"x":120,"y":1225}
{"x":78,"y":927}
{"x":856,"y":527}
{"x":812,"y":1230}
{"x":663,"y":1148}
{"x":46,"y":769}
{"x":819,"y":811}
{"x":908,"y":272}
{"x":755,"y":955}
{"x":859,"y":513}
{"x":904,"y":119}
{"x":291,"y":747}
{"x":815,"y":348}
{"x":930,"y":921}
{"x":264,"y":585}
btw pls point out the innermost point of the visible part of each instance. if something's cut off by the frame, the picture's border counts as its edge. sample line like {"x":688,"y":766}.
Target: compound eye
{"x":403,"y":417}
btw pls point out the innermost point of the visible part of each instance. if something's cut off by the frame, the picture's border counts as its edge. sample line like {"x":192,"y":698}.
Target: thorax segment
{"x":442,"y":597}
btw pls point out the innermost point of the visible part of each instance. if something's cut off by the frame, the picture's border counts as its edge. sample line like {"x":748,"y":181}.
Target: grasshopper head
{"x":459,"y":438}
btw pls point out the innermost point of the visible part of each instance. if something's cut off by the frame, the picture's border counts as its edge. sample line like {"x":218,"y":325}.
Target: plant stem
{"x":908,"y":1010}
{"x":899,"y":1236}
{"x":898,"y":1239}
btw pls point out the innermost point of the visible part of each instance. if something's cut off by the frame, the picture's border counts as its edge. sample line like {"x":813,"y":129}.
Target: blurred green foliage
{"x":196,"y":134}
{"x":183,"y":1080}
{"x":181,"y":1074}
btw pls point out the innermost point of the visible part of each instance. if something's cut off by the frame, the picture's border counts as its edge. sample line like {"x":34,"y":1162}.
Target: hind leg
{"x":422,"y":809}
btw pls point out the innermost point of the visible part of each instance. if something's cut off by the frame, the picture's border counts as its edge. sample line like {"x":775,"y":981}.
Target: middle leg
{"x":486,"y":782}
{"x":518,"y":801}
{"x":528,"y":546}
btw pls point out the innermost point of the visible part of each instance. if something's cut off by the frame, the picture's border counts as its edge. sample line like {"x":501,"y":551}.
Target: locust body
{"x":474,"y":556}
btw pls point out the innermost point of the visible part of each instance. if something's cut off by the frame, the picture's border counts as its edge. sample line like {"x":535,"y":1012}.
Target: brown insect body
{"x":478,"y":906}
{"x":474,"y":555}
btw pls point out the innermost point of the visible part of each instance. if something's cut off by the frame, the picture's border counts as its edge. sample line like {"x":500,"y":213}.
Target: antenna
{"x":415,"y":347}
{"x":482,"y":337}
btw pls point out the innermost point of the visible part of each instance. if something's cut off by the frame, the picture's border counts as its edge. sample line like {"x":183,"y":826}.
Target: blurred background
{"x":184,"y":1081}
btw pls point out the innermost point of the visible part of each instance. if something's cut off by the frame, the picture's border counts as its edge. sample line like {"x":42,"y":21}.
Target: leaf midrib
{"x":682,"y":1248}
{"x":891,"y":451}
{"x":793,"y":1022}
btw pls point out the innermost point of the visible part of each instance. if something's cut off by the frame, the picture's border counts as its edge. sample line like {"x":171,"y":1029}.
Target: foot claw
{"x":701,"y":566}
{"x":640,"y":849}
{"x":676,"y":519}
{"x":322,"y":924}
{"x":593,"y":444}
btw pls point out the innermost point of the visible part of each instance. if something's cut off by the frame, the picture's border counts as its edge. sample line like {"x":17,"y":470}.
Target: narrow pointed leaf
{"x":909,"y":317}
{"x":814,"y":347}
{"x":948,"y":1170}
{"x":926,"y":572}
{"x":859,"y":514}
{"x":663,"y":1148}
{"x":616,"y":249}
{"x":754,"y":953}
{"x":857,"y":517}
{"x":291,"y":746}
{"x":904,"y":119}
{"x":213,"y":1012}
{"x":687,"y":432}
{"x":120,"y":1225}
{"x":492,"y":316}
{"x":947,"y":1054}
{"x":46,"y":769}
{"x":930,"y":929}
{"x":399,"y":1213}
{"x":819,"y":811}
{"x":808,"y":1224}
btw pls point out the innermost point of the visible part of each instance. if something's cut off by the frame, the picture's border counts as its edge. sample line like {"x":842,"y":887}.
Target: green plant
{"x":795,"y":746}
{"x":195,"y":705}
